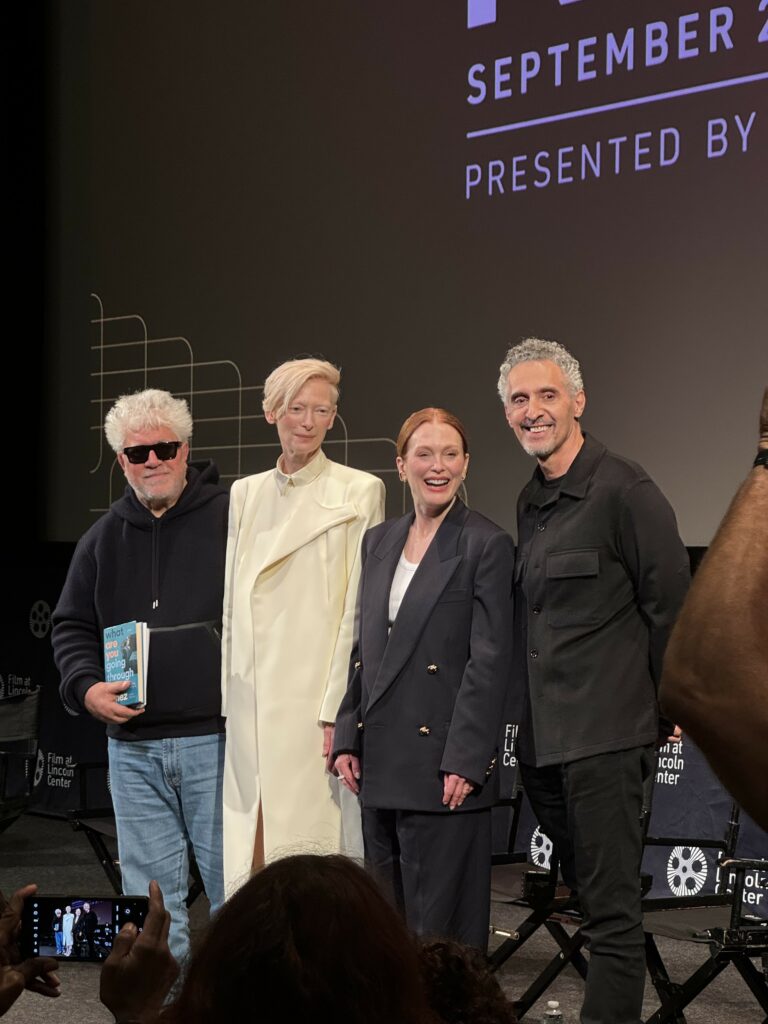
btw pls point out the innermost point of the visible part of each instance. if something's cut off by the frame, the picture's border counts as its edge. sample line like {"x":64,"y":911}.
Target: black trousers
{"x":436,"y":868}
{"x":591,"y":809}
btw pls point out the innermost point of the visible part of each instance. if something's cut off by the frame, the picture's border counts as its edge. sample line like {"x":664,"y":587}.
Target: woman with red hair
{"x":417,"y":732}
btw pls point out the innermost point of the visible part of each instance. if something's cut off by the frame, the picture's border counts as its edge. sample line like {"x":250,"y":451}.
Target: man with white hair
{"x":599,"y":577}
{"x":156,"y":556}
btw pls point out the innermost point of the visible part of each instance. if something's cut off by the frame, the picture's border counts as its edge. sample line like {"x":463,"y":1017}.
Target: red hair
{"x":432,"y":414}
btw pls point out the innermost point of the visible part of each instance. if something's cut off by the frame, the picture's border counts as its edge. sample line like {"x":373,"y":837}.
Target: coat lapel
{"x":429,"y":581}
{"x":301,"y":529}
{"x":379,"y":573}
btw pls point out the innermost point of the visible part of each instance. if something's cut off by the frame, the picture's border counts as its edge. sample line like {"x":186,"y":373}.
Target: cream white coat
{"x":289,"y":609}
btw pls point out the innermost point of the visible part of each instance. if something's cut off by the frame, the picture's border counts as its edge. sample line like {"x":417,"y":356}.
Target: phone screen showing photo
{"x":76,"y":927}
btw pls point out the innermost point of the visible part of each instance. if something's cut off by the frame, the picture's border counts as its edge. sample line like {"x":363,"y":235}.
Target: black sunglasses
{"x":164,"y":450}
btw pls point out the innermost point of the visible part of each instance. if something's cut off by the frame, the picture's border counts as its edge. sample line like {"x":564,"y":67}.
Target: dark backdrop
{"x":251,"y":181}
{"x":200,"y":191}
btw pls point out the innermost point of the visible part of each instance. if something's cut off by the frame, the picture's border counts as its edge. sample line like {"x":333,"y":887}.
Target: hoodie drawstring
{"x":156,"y":562}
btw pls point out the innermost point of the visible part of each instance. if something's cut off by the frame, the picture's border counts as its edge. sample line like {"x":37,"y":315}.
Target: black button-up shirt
{"x":600,"y":575}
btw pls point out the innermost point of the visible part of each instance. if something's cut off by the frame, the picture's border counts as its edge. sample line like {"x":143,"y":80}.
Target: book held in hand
{"x":126,"y":650}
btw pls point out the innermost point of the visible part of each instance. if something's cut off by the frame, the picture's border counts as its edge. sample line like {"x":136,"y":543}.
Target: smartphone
{"x":78,"y":928}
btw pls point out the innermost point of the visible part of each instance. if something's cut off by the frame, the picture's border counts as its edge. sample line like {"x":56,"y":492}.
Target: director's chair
{"x":716,"y":919}
{"x":99,"y":828}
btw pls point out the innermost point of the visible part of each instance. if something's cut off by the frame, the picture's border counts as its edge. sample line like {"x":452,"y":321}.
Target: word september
{"x":646,"y":47}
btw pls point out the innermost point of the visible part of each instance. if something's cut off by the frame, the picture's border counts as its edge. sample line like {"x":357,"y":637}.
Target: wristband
{"x":761,"y":459}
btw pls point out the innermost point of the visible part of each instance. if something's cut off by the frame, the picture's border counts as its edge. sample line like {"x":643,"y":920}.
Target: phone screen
{"x":77,"y":928}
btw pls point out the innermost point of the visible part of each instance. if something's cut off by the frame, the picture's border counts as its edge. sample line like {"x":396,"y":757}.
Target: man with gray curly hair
{"x":600,"y":575}
{"x":537,"y":350}
{"x":157,"y":556}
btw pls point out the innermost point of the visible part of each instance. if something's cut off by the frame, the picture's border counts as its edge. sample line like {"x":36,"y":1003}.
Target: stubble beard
{"x":539,"y":451}
{"x":158,"y":502}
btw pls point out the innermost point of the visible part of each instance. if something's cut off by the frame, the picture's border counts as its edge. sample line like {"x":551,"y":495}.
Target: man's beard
{"x":539,"y":452}
{"x":158,"y":502}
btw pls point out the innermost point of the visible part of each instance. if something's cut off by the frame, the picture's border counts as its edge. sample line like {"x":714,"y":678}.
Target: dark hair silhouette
{"x":460,"y":986}
{"x":308,"y":938}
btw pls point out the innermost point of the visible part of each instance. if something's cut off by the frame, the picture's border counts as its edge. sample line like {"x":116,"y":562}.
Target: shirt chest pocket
{"x":573,"y":589}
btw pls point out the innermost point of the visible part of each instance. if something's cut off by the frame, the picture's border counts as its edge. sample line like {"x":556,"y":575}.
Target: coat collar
{"x":574,"y":483}
{"x":306,"y":475}
{"x":393,"y":540}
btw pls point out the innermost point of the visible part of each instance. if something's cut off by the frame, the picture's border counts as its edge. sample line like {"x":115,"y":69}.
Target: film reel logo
{"x":39,"y":768}
{"x":541,"y":848}
{"x":686,"y":870}
{"x":40,"y":619}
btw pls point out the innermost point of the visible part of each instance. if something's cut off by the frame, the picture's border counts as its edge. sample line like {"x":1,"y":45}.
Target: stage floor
{"x":49,"y":852}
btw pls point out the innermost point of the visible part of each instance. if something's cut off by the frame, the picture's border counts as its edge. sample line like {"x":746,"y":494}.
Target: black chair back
{"x":19,"y":717}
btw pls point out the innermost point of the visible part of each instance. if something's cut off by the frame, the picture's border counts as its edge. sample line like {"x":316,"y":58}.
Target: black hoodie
{"x":167,"y":571}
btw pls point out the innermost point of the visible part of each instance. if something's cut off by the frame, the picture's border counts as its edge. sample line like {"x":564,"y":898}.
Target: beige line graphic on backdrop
{"x":129,"y":359}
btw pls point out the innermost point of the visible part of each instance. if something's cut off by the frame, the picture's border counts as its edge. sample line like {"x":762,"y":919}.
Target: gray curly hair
{"x":147,"y":410}
{"x":536,"y":350}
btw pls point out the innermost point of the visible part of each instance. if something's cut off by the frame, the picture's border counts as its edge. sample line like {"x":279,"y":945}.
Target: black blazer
{"x":428,"y":698}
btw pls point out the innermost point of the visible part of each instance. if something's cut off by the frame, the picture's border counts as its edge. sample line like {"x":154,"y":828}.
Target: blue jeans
{"x":59,"y":937}
{"x":167,"y":796}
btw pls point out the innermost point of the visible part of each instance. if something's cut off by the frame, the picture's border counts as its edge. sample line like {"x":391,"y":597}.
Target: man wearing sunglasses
{"x":157,"y":556}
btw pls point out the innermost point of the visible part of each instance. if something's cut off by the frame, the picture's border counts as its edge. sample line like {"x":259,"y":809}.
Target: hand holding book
{"x":101,"y":701}
{"x":126,"y":652}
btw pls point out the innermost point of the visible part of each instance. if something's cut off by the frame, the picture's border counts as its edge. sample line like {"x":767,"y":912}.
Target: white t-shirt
{"x":400,"y":583}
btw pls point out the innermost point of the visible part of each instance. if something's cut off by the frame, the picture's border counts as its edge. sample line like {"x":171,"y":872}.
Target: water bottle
{"x":553,"y":1014}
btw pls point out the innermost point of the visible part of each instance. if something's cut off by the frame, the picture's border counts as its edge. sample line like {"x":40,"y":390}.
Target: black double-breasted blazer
{"x":427,"y":697}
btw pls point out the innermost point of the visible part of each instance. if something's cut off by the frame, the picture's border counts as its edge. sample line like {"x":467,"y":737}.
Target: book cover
{"x":126,"y":649}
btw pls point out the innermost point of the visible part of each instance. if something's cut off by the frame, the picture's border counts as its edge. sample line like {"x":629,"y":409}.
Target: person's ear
{"x":579,"y":401}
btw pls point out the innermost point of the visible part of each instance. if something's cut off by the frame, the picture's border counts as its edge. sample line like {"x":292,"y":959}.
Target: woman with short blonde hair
{"x":286,"y":380}
{"x":293,"y":564}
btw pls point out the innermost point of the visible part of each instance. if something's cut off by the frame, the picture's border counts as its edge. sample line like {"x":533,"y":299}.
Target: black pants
{"x":591,"y":809}
{"x":436,"y":868}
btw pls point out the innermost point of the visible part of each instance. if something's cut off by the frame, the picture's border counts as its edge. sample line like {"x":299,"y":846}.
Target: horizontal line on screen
{"x":638,"y":101}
